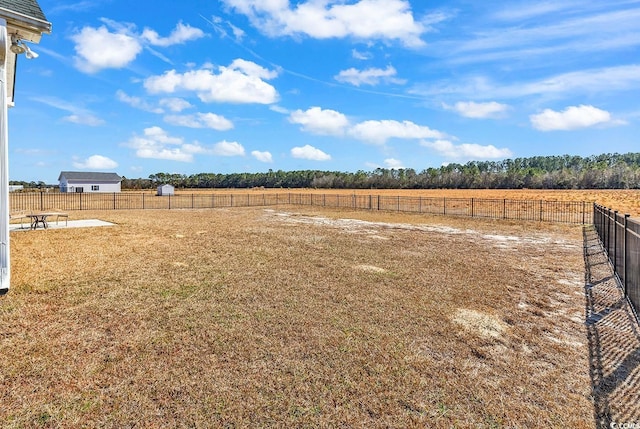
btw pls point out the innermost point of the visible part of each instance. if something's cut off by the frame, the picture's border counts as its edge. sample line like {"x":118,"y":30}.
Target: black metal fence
{"x":578,"y":212}
{"x":620,"y":237}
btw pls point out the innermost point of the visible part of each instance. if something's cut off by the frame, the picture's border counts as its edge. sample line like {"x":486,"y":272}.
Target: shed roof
{"x":90,"y":176}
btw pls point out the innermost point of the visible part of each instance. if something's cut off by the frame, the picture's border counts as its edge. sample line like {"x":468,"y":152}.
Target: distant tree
{"x":538,"y":172}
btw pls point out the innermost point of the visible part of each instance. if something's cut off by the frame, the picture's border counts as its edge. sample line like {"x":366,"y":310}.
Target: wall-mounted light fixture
{"x":29,"y":53}
{"x":18,"y":46}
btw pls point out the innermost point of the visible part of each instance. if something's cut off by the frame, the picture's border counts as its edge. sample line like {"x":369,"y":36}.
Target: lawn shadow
{"x":614,"y":340}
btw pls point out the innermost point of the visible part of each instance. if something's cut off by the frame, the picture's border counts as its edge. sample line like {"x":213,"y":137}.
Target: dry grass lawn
{"x":295,"y":317}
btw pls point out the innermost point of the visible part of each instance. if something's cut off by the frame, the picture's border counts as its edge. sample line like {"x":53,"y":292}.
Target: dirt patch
{"x":370,"y":268}
{"x":481,"y":324}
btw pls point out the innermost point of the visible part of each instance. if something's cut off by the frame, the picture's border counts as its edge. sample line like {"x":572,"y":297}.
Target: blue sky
{"x":226,"y":86}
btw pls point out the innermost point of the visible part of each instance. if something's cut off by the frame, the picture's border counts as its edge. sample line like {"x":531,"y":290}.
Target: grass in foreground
{"x":293,"y":318}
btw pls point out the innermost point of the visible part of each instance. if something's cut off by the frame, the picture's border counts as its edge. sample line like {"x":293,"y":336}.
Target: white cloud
{"x":156,"y":143}
{"x":320,"y":121}
{"x":175,"y":104}
{"x":98,"y":48}
{"x":471,"y":109}
{"x":96,"y":162}
{"x":79,"y":115}
{"x":102,"y":48}
{"x":238,"y":33}
{"x":279,"y":109}
{"x":361,"y":55}
{"x":137,"y":102}
{"x":84,"y":119}
{"x":200,"y":120}
{"x":393,"y":163}
{"x":387,"y":20}
{"x":262,"y":156}
{"x":591,"y":81}
{"x":571,"y":118}
{"x":309,"y":152}
{"x":370,"y":76}
{"x":241,"y":82}
{"x":541,"y":32}
{"x":181,"y":34}
{"x":378,"y":132}
{"x":466,"y":150}
{"x":330,"y":122}
{"x":225,"y":148}
{"x":252,"y":69}
{"x":522,"y":11}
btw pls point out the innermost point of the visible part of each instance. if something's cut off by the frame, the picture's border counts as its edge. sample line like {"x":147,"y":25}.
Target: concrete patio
{"x":82,"y":223}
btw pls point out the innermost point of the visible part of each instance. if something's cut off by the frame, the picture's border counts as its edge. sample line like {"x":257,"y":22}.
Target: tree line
{"x":606,"y":171}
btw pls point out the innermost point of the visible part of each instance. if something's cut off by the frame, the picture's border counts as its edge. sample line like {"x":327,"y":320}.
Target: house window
{"x":95,"y":187}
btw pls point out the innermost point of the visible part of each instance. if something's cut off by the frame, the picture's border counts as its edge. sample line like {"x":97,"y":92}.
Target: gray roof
{"x":25,"y":19}
{"x":29,"y":8}
{"x":89,"y":176}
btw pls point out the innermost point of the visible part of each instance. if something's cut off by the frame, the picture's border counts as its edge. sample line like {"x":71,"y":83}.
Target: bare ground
{"x":297,"y":318}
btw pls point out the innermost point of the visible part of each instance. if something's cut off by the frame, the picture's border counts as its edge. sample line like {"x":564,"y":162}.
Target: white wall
{"x":87,"y":187}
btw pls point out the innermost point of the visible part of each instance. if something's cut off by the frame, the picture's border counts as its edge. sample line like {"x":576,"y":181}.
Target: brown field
{"x":295,"y":317}
{"x":625,"y":201}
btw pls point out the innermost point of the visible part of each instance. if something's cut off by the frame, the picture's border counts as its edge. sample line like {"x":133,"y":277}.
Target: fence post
{"x":419,"y":204}
{"x":584,"y":208}
{"x":504,"y":208}
{"x":143,"y":201}
{"x":444,"y":205}
{"x":114,"y":200}
{"x":608,"y":232}
{"x":398,"y":203}
{"x":81,"y":200}
{"x":192,"y":196}
{"x":378,"y":202}
{"x":615,"y":242}
{"x":472,"y":207}
{"x":169,"y":202}
{"x":540,"y":210}
{"x":41,"y":200}
{"x":624,"y":259}
{"x":370,"y":206}
{"x":231,"y":200}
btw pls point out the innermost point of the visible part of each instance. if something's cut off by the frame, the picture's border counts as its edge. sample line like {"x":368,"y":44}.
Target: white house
{"x":77,"y":181}
{"x":21,"y":22}
{"x":165,"y":190}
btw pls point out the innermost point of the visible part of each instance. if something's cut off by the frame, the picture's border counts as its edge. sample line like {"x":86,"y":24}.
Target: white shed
{"x":165,"y":190}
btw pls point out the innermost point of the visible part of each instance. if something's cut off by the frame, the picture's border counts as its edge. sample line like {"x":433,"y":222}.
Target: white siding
{"x":166,"y":190}
{"x":74,"y":186}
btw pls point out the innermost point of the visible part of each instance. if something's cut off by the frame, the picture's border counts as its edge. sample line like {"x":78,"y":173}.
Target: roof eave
{"x":34,"y":27}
